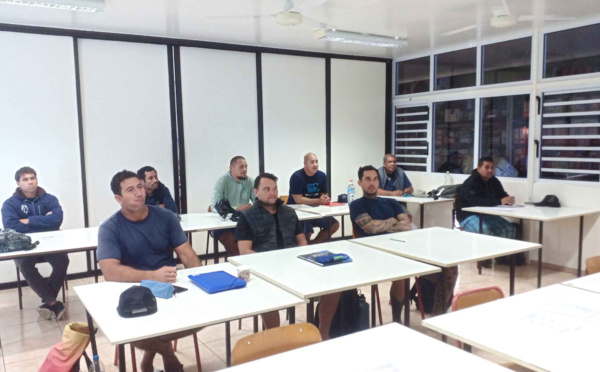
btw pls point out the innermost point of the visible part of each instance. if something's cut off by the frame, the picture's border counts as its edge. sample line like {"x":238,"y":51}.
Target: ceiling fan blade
{"x":545,"y":18}
{"x":459,"y":30}
{"x":499,"y":8}
{"x":242,"y":16}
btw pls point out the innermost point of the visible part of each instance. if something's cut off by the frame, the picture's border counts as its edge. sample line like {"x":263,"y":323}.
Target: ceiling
{"x":421,"y":22}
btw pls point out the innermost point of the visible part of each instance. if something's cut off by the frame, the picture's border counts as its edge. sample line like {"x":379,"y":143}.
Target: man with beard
{"x":156,"y":192}
{"x":236,"y":187}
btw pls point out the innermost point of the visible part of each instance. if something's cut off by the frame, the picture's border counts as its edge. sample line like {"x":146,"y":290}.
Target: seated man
{"x":375,"y":216}
{"x":309,"y":186}
{"x":236,"y":187}
{"x":32,"y":210}
{"x":137,"y":243}
{"x":156,"y":192}
{"x":269,"y":225}
{"x":392,"y":179}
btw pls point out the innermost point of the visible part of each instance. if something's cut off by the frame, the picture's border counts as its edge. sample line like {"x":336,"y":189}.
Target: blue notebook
{"x":217,"y":281}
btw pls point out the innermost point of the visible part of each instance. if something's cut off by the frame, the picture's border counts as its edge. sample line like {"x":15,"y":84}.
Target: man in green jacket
{"x":237,"y":187}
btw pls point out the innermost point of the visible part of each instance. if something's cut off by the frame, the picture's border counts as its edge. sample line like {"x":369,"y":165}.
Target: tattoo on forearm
{"x":371,"y":226}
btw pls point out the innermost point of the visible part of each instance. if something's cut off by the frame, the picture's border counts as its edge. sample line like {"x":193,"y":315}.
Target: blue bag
{"x":159,"y":289}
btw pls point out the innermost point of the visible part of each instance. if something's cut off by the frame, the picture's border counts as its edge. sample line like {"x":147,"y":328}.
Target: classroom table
{"x":188,"y":310}
{"x":549,"y":329}
{"x":448,"y":247}
{"x":307,"y":280}
{"x":391,"y":347}
{"x":421,"y":202}
{"x":333,"y":210}
{"x":540,"y":214}
{"x":587,"y":283}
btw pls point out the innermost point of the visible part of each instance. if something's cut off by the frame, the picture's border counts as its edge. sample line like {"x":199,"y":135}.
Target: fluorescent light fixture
{"x":73,"y":5}
{"x":356,"y":38}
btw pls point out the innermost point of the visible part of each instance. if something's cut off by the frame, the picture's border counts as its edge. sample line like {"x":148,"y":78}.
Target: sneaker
{"x":58,"y":310}
{"x":45,"y":311}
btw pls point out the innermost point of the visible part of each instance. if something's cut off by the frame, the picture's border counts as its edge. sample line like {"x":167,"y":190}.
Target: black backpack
{"x":428,"y":292}
{"x":12,"y":241}
{"x":352,"y":314}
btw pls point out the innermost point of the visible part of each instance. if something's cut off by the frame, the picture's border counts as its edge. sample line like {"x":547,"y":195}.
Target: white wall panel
{"x":219,"y":116}
{"x":294,"y":114}
{"x":357,"y":120}
{"x":38,"y":124}
{"x":126,"y":116}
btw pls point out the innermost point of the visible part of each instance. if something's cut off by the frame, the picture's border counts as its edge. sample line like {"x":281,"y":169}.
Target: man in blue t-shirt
{"x":392,"y":179}
{"x":137,"y":243}
{"x":309,"y":186}
{"x":371,"y":215}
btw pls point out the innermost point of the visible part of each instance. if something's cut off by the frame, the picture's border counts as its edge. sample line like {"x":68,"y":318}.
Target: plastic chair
{"x":39,"y":259}
{"x":284,"y":198}
{"x":592,"y":265}
{"x":474,"y":297}
{"x":274,"y":341}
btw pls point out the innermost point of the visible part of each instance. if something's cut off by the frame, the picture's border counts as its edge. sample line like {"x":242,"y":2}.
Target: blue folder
{"x":217,"y":281}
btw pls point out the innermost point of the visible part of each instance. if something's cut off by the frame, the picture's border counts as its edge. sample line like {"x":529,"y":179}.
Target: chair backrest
{"x":474,"y":297}
{"x":274,"y":341}
{"x":592,"y":265}
{"x":354,"y":228}
{"x":209,"y":209}
{"x":284,"y":198}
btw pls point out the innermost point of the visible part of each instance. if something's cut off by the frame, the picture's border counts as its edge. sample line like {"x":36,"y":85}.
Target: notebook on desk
{"x":217,"y":281}
{"x":325,"y":258}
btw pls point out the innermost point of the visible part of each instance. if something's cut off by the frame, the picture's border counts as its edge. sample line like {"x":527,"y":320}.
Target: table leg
{"x":292,"y":315}
{"x":479,"y":263}
{"x":373,"y":306}
{"x":343,"y":234}
{"x":87,"y":260}
{"x":216,"y":249}
{"x":541,"y":241}
{"x":92,"y":333}
{"x":228,"y":343}
{"x":122,"y":363}
{"x":407,"y":302}
{"x":512,"y":275}
{"x":95,"y":267}
{"x":580,"y":246}
{"x":422,"y":217}
{"x":444,"y":294}
{"x":310,"y":311}
{"x":255,"y":323}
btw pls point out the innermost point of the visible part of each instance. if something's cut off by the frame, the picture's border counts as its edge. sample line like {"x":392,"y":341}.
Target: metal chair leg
{"x":198,"y":364}
{"x":378,"y":304}
{"x":19,"y":290}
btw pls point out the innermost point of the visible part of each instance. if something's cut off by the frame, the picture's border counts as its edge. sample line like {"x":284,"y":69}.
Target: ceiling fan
{"x":502,"y":17}
{"x":291,"y":15}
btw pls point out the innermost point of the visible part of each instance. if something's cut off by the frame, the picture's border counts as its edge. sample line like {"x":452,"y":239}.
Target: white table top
{"x":388,"y":348}
{"x":530,"y":212}
{"x":193,"y":222}
{"x":445,"y":247}
{"x":308,"y":280}
{"x":73,"y":240}
{"x":187,"y":310}
{"x":415,"y":200}
{"x":554,"y":328}
{"x":324,"y":210}
{"x":589,"y":283}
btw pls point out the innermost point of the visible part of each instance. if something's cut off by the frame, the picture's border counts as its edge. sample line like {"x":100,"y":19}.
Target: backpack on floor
{"x":428,"y":288}
{"x":352,"y":314}
{"x":520,"y":259}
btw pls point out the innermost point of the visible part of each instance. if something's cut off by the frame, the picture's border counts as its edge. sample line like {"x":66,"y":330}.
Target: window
{"x":411,"y":146}
{"x":412,"y":76}
{"x":456,"y":69}
{"x":505,"y":132}
{"x":571,"y":136}
{"x":572,"y":52}
{"x":454,"y":124}
{"x":506,"y":62}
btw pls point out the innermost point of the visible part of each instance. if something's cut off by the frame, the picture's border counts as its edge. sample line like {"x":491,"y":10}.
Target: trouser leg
{"x":37,"y":283}
{"x":59,"y":263}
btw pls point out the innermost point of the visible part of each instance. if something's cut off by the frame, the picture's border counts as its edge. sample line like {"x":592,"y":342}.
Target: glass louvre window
{"x":410,"y":135}
{"x":456,"y":69}
{"x":572,"y":52}
{"x":412,"y":76}
{"x":506,"y":62}
{"x":454,"y":136}
{"x":571,"y":136}
{"x":505,"y":132}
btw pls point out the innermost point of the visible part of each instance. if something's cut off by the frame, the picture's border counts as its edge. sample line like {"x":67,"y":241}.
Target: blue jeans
{"x":492,"y":225}
{"x":46,"y":289}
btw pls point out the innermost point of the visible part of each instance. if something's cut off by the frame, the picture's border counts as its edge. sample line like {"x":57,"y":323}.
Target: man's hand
{"x":509,"y":200}
{"x":25,"y":221}
{"x":49,"y":213}
{"x":398,"y":193}
{"x":324,"y":199}
{"x":244,"y":207}
{"x":166,"y":274}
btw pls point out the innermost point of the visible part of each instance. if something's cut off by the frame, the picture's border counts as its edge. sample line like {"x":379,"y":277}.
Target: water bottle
{"x":96,"y":365}
{"x":350,"y":192}
{"x":448,"y":179}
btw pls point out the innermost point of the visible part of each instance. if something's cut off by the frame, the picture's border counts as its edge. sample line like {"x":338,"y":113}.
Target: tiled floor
{"x":25,"y":338}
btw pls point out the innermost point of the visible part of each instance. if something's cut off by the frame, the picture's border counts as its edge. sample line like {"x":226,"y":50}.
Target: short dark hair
{"x":115,"y":183}
{"x":264,"y":175}
{"x":22,"y":171}
{"x":235,"y":159}
{"x":362,"y":170}
{"x":484,"y":159}
{"x":141,"y":173}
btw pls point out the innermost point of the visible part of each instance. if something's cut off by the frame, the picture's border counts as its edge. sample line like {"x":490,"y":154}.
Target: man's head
{"x":128,"y":190}
{"x":311,"y":164}
{"x":26,"y":178}
{"x":149,"y":177}
{"x":265,"y":188}
{"x":485,"y":167}
{"x":389,"y":163}
{"x":368,"y":180}
{"x":238,"y":167}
